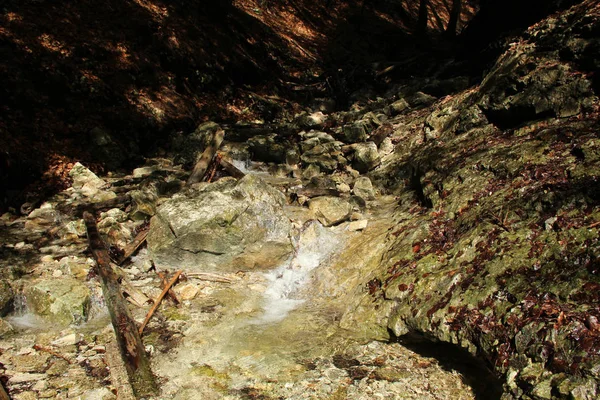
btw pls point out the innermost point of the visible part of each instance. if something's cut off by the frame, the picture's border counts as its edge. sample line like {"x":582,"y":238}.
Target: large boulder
{"x":60,"y":301}
{"x":227,"y":226}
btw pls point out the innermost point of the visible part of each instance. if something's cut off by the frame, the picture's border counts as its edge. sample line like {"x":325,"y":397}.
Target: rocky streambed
{"x":444,"y":211}
{"x":265,"y":325}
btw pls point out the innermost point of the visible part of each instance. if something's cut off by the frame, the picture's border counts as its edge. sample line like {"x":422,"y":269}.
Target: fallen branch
{"x":159,"y":299}
{"x":129,"y":341}
{"x":50,"y":351}
{"x":164,"y":283}
{"x":206,"y":276}
{"x":132,"y":247}
{"x":205,"y":159}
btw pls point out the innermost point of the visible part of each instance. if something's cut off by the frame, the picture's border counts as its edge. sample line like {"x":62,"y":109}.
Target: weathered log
{"x":130,"y":344}
{"x":3,"y":394}
{"x":205,"y":159}
{"x":231,"y":169}
{"x":132,"y":247}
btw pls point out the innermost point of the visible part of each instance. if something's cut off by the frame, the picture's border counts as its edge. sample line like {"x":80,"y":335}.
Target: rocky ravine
{"x":470,"y":219}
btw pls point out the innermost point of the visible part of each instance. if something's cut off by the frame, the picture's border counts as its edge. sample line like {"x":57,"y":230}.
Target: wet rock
{"x":61,"y":301}
{"x":7,"y":296}
{"x":363,"y":188}
{"x":365,"y":157}
{"x":330,"y":210}
{"x":208,"y":229}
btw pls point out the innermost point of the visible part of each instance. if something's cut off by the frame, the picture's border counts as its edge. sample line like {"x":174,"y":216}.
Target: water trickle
{"x":314,"y":245}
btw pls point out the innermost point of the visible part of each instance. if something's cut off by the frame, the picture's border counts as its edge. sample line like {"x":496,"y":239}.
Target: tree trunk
{"x":129,"y":341}
{"x":454,"y":17}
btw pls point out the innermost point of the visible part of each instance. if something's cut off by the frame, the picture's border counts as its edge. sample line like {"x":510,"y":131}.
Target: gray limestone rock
{"x":222,"y":228}
{"x":330,"y":210}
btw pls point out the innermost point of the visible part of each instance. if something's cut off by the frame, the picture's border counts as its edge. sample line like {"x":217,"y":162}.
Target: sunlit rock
{"x":88,"y":183}
{"x":364,"y":188}
{"x":210,"y":229}
{"x":330,"y":210}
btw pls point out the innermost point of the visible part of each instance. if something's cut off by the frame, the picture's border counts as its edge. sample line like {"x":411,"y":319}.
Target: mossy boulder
{"x":60,"y":301}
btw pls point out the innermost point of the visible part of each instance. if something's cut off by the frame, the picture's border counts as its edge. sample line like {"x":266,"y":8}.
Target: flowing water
{"x":277,"y":335}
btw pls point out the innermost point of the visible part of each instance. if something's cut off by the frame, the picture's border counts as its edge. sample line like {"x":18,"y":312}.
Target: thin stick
{"x":595,"y":224}
{"x":171,"y":293}
{"x":159,"y":299}
{"x":205,"y":276}
{"x":50,"y":351}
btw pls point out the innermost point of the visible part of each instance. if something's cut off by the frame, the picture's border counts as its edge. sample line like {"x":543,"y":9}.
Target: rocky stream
{"x":439,"y":241}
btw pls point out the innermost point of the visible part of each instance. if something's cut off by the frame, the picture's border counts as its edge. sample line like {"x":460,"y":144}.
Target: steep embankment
{"x":495,"y":239}
{"x":108,"y":82}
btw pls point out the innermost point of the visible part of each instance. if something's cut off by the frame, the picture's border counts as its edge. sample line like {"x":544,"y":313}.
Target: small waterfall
{"x":314,"y":246}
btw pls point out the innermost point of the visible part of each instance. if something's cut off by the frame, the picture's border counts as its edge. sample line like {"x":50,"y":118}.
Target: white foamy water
{"x":315,"y":245}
